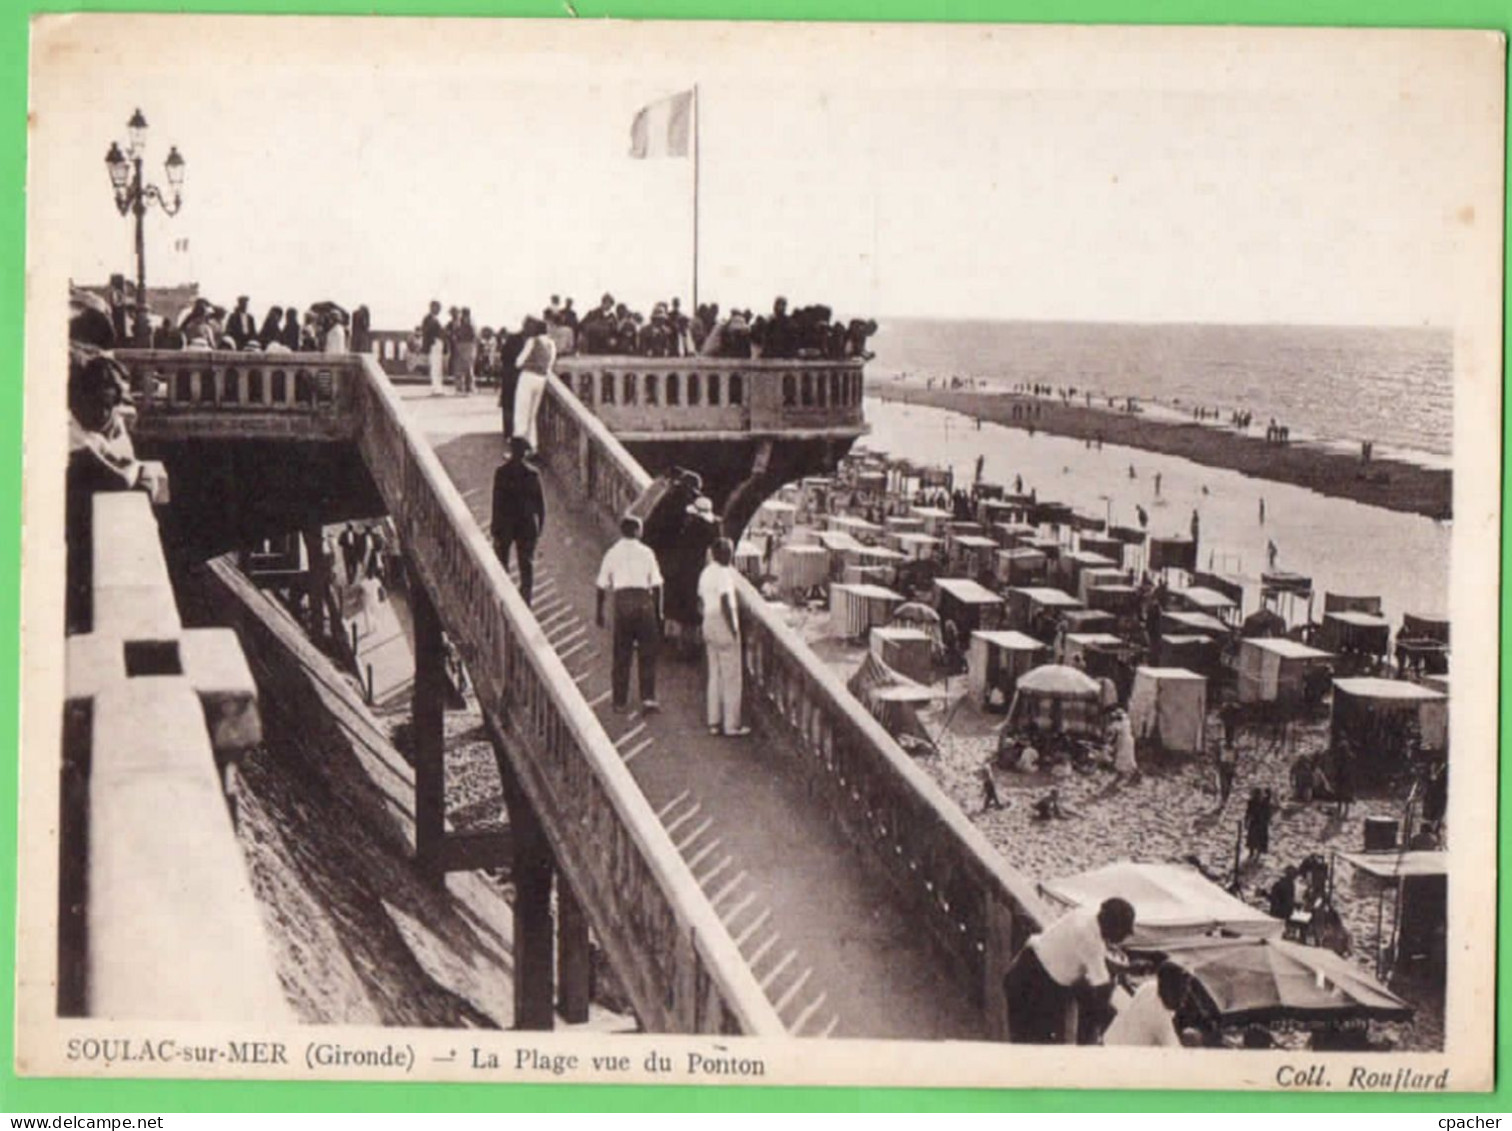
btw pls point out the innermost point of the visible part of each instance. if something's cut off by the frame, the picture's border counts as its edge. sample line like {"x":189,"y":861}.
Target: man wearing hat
{"x":519,"y":512}
{"x":630,"y":574}
{"x":241,"y":327}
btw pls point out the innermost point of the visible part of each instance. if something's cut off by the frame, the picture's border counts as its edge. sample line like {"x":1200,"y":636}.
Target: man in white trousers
{"x":535,"y":364}
{"x":721,"y":632}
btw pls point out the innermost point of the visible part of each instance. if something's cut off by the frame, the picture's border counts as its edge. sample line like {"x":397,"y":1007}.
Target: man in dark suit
{"x":519,"y":512}
{"x":241,"y":327}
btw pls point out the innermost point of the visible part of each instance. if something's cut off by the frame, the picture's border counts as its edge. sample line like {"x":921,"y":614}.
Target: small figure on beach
{"x":1270,"y":553}
{"x":1196,"y":525}
{"x":1257,"y":822}
{"x":1143,"y":516}
{"x":990,"y":798}
{"x":1049,"y":808}
{"x":1124,"y":763}
{"x":1131,"y":472}
{"x":1157,"y":483}
{"x":1262,"y":510}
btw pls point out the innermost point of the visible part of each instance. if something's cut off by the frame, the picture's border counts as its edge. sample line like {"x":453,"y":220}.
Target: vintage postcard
{"x":759,"y":554}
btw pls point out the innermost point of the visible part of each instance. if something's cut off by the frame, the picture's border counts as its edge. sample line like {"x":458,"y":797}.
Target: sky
{"x":1210,"y":175}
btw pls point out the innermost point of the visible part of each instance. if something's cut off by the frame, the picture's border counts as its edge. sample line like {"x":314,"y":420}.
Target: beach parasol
{"x":1059,"y":681}
{"x":1268,"y":980}
{"x":1171,"y":902}
{"x":914,"y":613}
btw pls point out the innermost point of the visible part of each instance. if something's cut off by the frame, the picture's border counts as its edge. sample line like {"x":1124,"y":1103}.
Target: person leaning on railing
{"x":1067,"y":963}
{"x":101,"y":457}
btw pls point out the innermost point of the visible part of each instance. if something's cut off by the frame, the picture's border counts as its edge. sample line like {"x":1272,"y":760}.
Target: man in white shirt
{"x":629,"y":571}
{"x":1148,"y":1018}
{"x":720,"y":613}
{"x":1065,"y":963}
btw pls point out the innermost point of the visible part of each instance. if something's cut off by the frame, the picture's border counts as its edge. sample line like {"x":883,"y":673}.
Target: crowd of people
{"x":324,"y":327}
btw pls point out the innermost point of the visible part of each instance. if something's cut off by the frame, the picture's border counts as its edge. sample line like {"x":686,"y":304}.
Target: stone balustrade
{"x":151,"y":709}
{"x":674,"y":957}
{"x":646,"y":397}
{"x":978,"y":908}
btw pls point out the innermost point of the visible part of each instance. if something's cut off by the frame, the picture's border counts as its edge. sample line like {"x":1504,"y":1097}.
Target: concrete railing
{"x":677,"y":962}
{"x":665,"y":396}
{"x":157,"y":918}
{"x":202,"y":394}
{"x":977,"y":907}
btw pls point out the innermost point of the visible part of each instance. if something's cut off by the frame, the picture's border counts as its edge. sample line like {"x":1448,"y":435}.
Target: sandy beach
{"x":1171,"y":815}
{"x":1384,"y":482}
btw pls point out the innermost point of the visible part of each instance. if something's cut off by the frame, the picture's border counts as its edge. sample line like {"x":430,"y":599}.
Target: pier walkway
{"x":822,"y":934}
{"x":810,"y":879}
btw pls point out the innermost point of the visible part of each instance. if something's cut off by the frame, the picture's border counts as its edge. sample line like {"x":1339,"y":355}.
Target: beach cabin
{"x":858,"y":528}
{"x":1191,"y":624}
{"x":957,"y":526}
{"x":1011,"y":535}
{"x":1073,"y":563}
{"x":1087,"y":523}
{"x":1195,"y":652}
{"x":800,"y":569}
{"x":1352,"y":633}
{"x":903,"y":524}
{"x":1379,"y":718}
{"x":1117,"y":600}
{"x":995,"y":662}
{"x":868,"y":575}
{"x":774,"y":514}
{"x":1088,"y":646}
{"x":972,"y":555}
{"x":906,"y":650}
{"x":750,"y":558}
{"x":1097,"y":577}
{"x":1110,"y":548}
{"x":1169,"y":705}
{"x":1171,"y":553}
{"x":994,"y":511}
{"x":917,"y":547}
{"x":1198,"y":599}
{"x":1036,"y":609}
{"x":1275,"y":670}
{"x":1020,"y":567}
{"x":855,"y":609}
{"x":969,"y":605}
{"x":1046,"y":513}
{"x":1087,"y":620}
{"x":933,"y":518}
{"x":1422,"y":645}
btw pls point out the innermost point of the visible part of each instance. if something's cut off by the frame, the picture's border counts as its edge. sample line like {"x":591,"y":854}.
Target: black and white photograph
{"x":761,"y":554}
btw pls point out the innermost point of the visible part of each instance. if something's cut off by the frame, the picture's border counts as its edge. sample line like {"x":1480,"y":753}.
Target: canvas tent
{"x":1378,"y":715}
{"x":1171,"y":902}
{"x":894,"y":700}
{"x":997,"y":660}
{"x":1170,"y":703}
{"x":1274,"y":669}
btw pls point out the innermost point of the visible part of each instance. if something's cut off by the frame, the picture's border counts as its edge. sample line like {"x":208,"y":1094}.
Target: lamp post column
{"x":139,"y":208}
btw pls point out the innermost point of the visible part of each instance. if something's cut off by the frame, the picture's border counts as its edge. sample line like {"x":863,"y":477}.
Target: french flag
{"x":663,"y":129}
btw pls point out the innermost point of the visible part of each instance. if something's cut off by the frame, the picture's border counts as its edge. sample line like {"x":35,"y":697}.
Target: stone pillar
{"x":428,"y":720}
{"x":534,"y":973}
{"x":574,"y":960}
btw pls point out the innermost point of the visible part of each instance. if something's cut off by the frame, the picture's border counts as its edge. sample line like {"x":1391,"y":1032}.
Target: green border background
{"x":83,"y":1096}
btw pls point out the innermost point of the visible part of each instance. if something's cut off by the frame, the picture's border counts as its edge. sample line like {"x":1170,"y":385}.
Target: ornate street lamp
{"x":133,"y":195}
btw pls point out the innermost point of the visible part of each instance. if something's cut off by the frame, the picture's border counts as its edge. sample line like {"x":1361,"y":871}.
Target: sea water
{"x":1345,"y":547}
{"x":1390,"y":385}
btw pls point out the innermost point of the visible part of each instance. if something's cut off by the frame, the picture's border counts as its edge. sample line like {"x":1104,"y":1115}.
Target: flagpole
{"x":697,"y":115}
